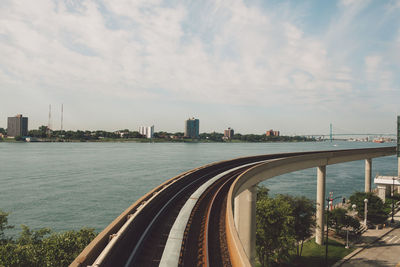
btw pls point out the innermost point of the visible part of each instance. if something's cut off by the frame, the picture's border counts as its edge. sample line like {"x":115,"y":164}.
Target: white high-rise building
{"x":147,"y":131}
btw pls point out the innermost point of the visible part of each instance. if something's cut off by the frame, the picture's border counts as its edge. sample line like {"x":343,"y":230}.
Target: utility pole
{"x":62,"y":111}
{"x":329,"y":203}
{"x":49,"y":123}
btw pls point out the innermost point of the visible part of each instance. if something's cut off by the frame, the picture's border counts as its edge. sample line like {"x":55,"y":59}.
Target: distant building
{"x":31,"y":139}
{"x":272,"y":133}
{"x":17,"y":126}
{"x":228,"y":134}
{"x":120,"y":133}
{"x":192,"y":127}
{"x":147,"y":131}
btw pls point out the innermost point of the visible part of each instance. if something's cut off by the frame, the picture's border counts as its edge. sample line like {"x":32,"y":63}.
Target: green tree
{"x":41,"y":132}
{"x":41,"y":247}
{"x":179,"y":134}
{"x":135,"y":134}
{"x":274,"y":234}
{"x":338,"y":219}
{"x":376,"y":208}
{"x":19,"y":138}
{"x":303,"y":212}
{"x":262,"y":192}
{"x":4,"y":226}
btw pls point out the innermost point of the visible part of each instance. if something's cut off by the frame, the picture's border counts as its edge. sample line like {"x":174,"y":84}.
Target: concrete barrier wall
{"x":278,"y":167}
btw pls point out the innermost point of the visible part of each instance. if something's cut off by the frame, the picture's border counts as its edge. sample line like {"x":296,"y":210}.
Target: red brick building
{"x":272,"y":133}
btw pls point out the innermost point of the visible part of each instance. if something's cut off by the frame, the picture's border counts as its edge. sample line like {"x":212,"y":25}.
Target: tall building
{"x":147,"y":131}
{"x":17,"y":126}
{"x":229,"y":133}
{"x":192,"y":127}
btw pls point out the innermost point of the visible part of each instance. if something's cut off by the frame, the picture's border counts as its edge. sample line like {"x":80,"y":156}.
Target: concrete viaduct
{"x":207,"y":215}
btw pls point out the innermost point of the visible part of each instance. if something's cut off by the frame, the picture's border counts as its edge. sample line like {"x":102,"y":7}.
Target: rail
{"x":144,"y":225}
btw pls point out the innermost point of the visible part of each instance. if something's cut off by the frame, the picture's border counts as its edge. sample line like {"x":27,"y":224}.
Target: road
{"x":384,"y":252}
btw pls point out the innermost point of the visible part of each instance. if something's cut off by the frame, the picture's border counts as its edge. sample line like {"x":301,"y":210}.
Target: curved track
{"x":204,"y":243}
{"x":144,"y":239}
{"x":138,"y":236}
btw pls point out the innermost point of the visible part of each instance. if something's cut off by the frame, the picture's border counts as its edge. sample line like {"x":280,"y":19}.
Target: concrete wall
{"x":242,"y":247}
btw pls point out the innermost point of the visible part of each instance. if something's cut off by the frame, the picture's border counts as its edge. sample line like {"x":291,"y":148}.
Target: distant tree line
{"x":79,"y":135}
{"x":265,"y":138}
{"x":44,"y":132}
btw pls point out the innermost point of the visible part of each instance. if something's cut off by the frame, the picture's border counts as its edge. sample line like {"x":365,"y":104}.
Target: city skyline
{"x":252,"y":65}
{"x":192,"y":122}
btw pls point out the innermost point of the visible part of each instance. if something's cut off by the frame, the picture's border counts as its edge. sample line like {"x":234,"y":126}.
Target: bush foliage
{"x":283,"y":224}
{"x":41,"y":247}
{"x":376,"y":209}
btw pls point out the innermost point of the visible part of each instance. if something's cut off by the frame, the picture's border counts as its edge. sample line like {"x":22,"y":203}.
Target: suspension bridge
{"x":342,"y":133}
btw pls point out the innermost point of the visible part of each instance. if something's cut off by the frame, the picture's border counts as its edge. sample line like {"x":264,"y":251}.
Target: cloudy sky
{"x":252,"y":65}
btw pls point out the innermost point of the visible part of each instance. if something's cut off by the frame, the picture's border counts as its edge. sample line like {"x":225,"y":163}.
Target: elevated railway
{"x":188,"y":220}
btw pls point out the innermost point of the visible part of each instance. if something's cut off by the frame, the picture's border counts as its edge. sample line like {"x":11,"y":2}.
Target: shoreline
{"x":157,"y":141}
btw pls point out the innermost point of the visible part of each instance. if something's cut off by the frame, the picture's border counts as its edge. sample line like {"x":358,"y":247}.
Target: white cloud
{"x":229,"y":53}
{"x":79,"y":50}
{"x":378,"y":74}
{"x":352,"y":2}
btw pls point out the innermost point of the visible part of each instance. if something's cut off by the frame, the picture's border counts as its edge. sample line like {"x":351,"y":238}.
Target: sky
{"x":252,"y":65}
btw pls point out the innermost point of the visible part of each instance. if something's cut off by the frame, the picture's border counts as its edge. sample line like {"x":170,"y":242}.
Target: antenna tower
{"x":62,"y":111}
{"x":49,"y":123}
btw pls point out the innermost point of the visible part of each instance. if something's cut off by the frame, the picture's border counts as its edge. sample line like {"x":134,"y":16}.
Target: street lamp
{"x":330,"y":201}
{"x":392,"y":221}
{"x":365,"y":211}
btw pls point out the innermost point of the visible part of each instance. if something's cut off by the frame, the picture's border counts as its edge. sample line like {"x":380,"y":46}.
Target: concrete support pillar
{"x":245,"y":221}
{"x":398,"y":167}
{"x":388,"y":190}
{"x":321,"y":177}
{"x":382,"y":192}
{"x":368,"y":172}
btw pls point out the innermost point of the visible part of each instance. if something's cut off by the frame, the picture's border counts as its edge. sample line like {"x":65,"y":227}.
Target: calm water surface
{"x":71,"y":185}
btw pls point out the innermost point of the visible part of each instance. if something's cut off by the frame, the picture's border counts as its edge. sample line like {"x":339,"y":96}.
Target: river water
{"x":67,"y":186}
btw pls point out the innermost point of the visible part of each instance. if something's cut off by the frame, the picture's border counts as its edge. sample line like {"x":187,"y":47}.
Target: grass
{"x":314,"y":255}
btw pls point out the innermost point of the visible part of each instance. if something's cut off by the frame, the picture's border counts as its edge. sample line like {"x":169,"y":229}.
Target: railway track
{"x":204,"y":243}
{"x":139,"y":236}
{"x":141,"y":240}
{"x":149,"y":251}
